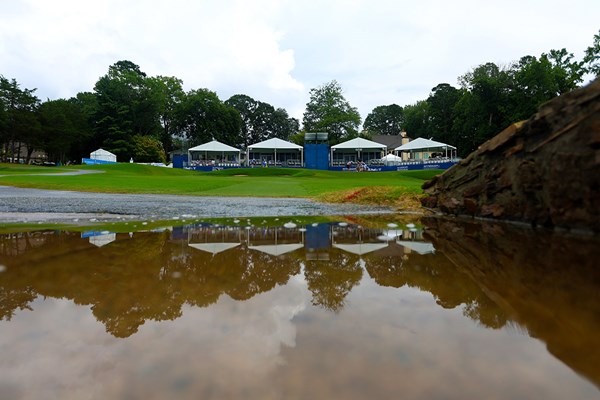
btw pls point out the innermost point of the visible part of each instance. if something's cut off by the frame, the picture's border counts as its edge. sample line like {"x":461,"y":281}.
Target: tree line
{"x":145,"y":117}
{"x":488,"y":99}
{"x":134,"y":116}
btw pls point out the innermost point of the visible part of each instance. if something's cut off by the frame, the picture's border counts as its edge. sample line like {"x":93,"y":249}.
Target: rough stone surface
{"x":544,"y":171}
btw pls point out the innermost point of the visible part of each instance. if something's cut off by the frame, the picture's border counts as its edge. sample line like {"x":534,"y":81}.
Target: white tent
{"x":391,"y":159}
{"x":358,"y":146}
{"x":103,"y":155}
{"x":214,"y":149}
{"x":423,"y":144}
{"x":275,"y":144}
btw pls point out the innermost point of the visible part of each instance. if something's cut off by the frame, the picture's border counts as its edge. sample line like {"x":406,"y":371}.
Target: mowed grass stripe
{"x":259,"y":182}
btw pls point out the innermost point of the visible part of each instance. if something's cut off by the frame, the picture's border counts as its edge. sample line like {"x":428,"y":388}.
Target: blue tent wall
{"x":316,"y":156}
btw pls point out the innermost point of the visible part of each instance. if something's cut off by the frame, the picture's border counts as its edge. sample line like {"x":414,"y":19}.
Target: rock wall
{"x":544,"y":171}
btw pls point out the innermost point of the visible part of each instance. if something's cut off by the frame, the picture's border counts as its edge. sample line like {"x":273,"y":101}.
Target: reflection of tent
{"x":102,"y":239}
{"x":103,"y":155}
{"x":419,"y":247}
{"x":358,"y":147}
{"x":360,"y":248}
{"x":425,"y":145}
{"x":277,"y":249}
{"x":212,"y":150}
{"x":273,"y":146}
{"x":391,"y":234}
{"x":213,"y":248}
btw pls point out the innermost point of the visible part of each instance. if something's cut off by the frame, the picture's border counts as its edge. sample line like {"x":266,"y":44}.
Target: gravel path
{"x":28,"y":205}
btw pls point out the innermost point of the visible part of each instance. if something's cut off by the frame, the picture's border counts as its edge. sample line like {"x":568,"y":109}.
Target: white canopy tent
{"x":103,"y":155}
{"x":275,"y":144}
{"x":424,"y":145}
{"x":214,"y":149}
{"x":357,"y":146}
{"x":391,"y":159}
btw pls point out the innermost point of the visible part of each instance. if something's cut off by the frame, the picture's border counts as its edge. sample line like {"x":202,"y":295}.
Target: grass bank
{"x":387,"y":188}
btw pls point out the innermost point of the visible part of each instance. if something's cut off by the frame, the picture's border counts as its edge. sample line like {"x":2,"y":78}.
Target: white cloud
{"x":381,"y":52}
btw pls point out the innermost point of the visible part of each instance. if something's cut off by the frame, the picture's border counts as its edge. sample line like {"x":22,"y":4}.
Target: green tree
{"x":20,"y":123}
{"x":64,"y":130}
{"x":385,"y":120}
{"x":147,"y":149}
{"x":484,"y":112}
{"x":87,"y":104}
{"x":592,"y":57}
{"x":261,"y":121}
{"x":328,"y":111}
{"x":441,"y":102}
{"x":282,"y":125}
{"x":128,"y":105}
{"x":203,"y":117}
{"x":169,"y":94}
{"x":416,"y":119}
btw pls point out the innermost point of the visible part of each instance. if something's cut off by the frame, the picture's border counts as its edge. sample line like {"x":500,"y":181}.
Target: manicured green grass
{"x":18,"y":169}
{"x":256,"y":182}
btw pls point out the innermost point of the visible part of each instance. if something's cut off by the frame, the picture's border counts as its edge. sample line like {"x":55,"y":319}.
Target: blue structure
{"x":316,"y":156}
{"x":92,"y":161}
{"x":316,"y":150}
{"x":179,"y":160}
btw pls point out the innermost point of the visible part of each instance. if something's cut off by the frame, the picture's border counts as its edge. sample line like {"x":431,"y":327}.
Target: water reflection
{"x":128,"y":278}
{"x":543,"y":284}
{"x":546,"y":283}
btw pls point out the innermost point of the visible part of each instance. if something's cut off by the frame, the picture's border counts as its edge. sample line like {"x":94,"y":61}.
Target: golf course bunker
{"x":59,"y":205}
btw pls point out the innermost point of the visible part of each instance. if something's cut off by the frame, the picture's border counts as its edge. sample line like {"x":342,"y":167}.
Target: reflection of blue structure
{"x":88,"y":234}
{"x":317,"y":237}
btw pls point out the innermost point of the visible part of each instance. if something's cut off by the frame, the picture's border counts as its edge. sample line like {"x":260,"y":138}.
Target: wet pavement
{"x":25,"y":205}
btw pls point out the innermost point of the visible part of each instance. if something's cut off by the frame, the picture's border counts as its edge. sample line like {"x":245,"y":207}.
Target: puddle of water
{"x":355,"y":308}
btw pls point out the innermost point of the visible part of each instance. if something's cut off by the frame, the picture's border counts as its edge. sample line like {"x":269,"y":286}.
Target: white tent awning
{"x":391,"y":157}
{"x":275,"y":144}
{"x":215,"y":146}
{"x":102,"y":154}
{"x":422,"y":143}
{"x":359,"y":143}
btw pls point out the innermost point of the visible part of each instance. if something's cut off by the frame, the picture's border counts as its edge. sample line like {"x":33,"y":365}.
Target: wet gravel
{"x":25,"y":205}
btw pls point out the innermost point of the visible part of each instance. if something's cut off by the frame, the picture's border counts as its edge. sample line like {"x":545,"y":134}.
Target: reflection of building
{"x":99,"y":239}
{"x":214,"y":239}
{"x":318,"y":240}
{"x":275,"y":240}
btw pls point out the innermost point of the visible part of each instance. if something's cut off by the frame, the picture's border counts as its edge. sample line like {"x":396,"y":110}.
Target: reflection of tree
{"x":131,"y":280}
{"x":262,"y":272}
{"x":331,"y":282}
{"x":13,"y":299}
{"x":435,"y":274}
{"x":546,"y":282}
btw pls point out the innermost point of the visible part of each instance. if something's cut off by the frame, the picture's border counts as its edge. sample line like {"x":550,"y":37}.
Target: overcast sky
{"x":380,"y":51}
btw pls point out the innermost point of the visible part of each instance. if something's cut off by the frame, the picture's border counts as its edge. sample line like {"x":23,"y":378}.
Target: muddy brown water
{"x":441,"y":310}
